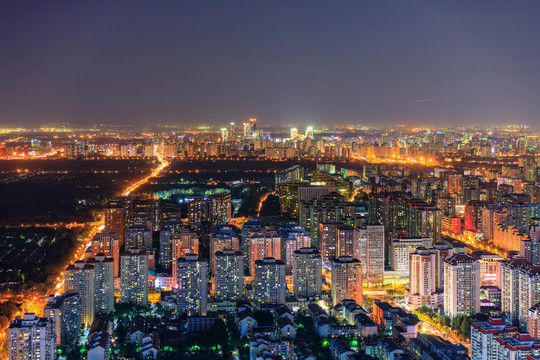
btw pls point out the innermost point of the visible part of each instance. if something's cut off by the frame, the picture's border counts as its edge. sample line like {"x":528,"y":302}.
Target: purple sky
{"x":305,"y":62}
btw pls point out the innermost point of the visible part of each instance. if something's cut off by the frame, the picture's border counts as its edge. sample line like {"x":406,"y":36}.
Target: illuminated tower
{"x":192,"y":285}
{"x":294,"y":132}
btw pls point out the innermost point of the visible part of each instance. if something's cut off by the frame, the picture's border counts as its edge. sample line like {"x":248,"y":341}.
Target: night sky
{"x":302,"y":62}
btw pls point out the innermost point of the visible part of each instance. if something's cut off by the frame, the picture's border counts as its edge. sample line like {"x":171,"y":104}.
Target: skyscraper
{"x":269,"y":280}
{"x":307,"y":273}
{"x":31,"y":337}
{"x":228,"y":275}
{"x":80,"y":278}
{"x":422,"y":284}
{"x":134,"y":277}
{"x":192,"y":285}
{"x":115,"y":220}
{"x":461,"y":285}
{"x":346,"y":279}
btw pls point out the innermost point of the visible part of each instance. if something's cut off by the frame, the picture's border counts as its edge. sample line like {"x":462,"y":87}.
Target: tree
{"x":264,"y":318}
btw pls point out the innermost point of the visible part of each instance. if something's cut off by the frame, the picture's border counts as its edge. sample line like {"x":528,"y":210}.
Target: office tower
{"x":461,"y":285}
{"x":422,"y":287}
{"x":294,"y":238}
{"x":510,"y":288}
{"x":370,"y":248}
{"x":224,"y":238}
{"x":442,"y":252}
{"x":264,"y":244}
{"x":473,"y":215}
{"x":32,"y":338}
{"x":184,"y":242}
{"x":307,"y":272}
{"x":328,"y":239}
{"x":400,"y":249}
{"x":269,"y":280}
{"x":103,"y":284}
{"x":331,"y":207}
{"x":138,"y":236}
{"x":346,"y":280}
{"x":107,"y":243}
{"x":484,"y":337}
{"x":80,"y":278}
{"x":214,"y":210}
{"x":134,"y":277}
{"x":115,"y":220}
{"x":529,"y":293}
{"x":294,"y":132}
{"x":192,"y":285}
{"x":228,"y":275}
{"x":65,"y":311}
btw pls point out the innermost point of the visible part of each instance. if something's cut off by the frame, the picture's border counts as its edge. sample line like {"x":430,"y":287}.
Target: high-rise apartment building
{"x":214,"y":210}
{"x":134,"y":277}
{"x":346,"y":279}
{"x":108,"y":243}
{"x":115,"y":220}
{"x":269,"y":280}
{"x":331,"y":207}
{"x":484,"y":337}
{"x":192,"y":285}
{"x":80,"y":278}
{"x":103,"y":283}
{"x":263,"y":244}
{"x":461,"y":285}
{"x":184,"y":242}
{"x":32,"y":338}
{"x":422,"y":286}
{"x":138,"y":236}
{"x":228,"y":275}
{"x":307,"y":272}
{"x":370,"y":249}
{"x":510,"y":288}
{"x":65,"y":311}
{"x":529,"y":293}
{"x":224,"y":238}
{"x":400,"y":249}
{"x":294,"y":238}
